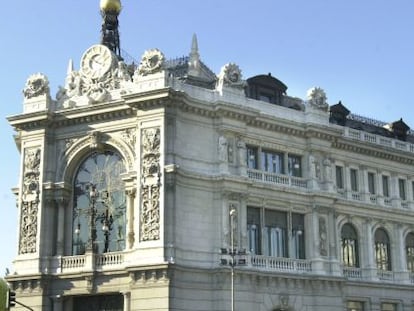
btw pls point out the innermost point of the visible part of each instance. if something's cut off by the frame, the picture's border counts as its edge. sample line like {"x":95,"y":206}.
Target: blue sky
{"x":360,"y":52}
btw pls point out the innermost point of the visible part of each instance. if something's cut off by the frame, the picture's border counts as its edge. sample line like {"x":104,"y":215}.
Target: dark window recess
{"x":266,"y":88}
{"x":99,"y":303}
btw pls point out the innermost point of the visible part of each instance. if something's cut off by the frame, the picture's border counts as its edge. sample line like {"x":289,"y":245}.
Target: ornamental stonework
{"x":30,"y":201}
{"x":150,"y":184}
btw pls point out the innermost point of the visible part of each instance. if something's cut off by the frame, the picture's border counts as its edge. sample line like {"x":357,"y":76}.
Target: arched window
{"x":382,"y":250}
{"x":349,"y":246}
{"x":409,"y":249}
{"x":99,"y":206}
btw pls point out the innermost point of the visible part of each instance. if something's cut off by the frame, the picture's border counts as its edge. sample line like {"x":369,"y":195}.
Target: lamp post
{"x":93,"y":195}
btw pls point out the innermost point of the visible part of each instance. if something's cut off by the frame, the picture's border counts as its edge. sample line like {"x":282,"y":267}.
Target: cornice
{"x":378,"y":152}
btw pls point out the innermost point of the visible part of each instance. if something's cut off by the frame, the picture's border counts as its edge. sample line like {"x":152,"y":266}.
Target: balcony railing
{"x":72,"y":262}
{"x":277,"y":179}
{"x":352,"y":273}
{"x":385,"y":275}
{"x":281,"y":264}
{"x":379,"y":140}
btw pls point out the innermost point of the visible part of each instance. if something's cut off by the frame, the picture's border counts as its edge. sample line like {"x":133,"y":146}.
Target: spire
{"x":110,"y":10}
{"x":70,"y":67}
{"x":194,"y":58}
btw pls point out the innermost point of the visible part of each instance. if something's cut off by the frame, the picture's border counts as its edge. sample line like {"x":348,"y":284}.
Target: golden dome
{"x":111,"y":5}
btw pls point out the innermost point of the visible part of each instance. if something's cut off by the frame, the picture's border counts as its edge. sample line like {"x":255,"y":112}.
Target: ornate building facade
{"x":167,"y":187}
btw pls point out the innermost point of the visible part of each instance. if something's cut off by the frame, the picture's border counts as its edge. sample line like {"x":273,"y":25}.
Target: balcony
{"x":82,"y":262}
{"x":280,"y":264}
{"x":277,"y":179}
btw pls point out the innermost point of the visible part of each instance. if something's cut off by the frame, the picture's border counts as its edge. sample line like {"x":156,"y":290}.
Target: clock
{"x":97,"y":61}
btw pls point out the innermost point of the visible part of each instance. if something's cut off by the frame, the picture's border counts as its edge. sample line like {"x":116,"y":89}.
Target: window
{"x":382,"y":250}
{"x":252,"y":162}
{"x":412,"y":189}
{"x":298,"y":236}
{"x":385,"y":186}
{"x":355,"y":306}
{"x":273,"y":237}
{"x":272,"y":162}
{"x":349,"y":246}
{"x":402,"y":189}
{"x":371,"y":183}
{"x":354,"y":180}
{"x":294,"y":165}
{"x":99,"y":189}
{"x":409,"y":250}
{"x":385,"y":306}
{"x":339,"y":170}
{"x":275,"y":234}
{"x":254,"y":230}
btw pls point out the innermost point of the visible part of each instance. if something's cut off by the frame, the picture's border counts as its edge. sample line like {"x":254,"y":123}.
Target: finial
{"x":194,"y":58}
{"x":111,"y":6}
{"x":70,"y":67}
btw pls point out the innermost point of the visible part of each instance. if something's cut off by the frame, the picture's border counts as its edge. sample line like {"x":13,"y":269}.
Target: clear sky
{"x":360,"y":52}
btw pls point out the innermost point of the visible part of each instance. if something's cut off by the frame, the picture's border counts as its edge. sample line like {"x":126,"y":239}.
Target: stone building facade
{"x":167,"y":187}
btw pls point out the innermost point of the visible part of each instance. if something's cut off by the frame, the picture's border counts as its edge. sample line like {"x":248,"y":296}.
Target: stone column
{"x":127,"y":301}
{"x":130,"y":217}
{"x":370,"y":269}
{"x":399,"y":259}
{"x":61,"y":203}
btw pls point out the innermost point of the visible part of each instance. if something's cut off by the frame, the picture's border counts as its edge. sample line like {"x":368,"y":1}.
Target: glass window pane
{"x":294,"y":165}
{"x":355,"y":306}
{"x":354,"y":179}
{"x":252,"y":162}
{"x":385,"y":186}
{"x":371,"y":183}
{"x":339,"y":177}
{"x":349,"y":246}
{"x":272,"y":162}
{"x":382,"y":250}
{"x":254,"y":230}
{"x":275,"y":238}
{"x":388,"y":306}
{"x":401,"y":187}
{"x":99,"y":213}
{"x":409,"y":248}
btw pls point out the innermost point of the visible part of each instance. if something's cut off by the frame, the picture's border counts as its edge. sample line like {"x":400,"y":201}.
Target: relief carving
{"x":30,"y":201}
{"x":36,"y":85}
{"x":323,"y":237}
{"x":150,"y":184}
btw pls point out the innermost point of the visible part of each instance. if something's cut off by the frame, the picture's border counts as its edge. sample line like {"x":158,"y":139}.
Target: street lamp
{"x":229,"y":255}
{"x":233,"y":214}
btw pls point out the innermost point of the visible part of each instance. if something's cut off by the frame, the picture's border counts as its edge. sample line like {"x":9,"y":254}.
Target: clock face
{"x":96,"y":61}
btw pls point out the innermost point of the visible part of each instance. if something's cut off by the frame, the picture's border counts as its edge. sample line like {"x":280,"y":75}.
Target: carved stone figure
{"x":241,"y":146}
{"x":323,"y":237}
{"x":231,"y":76}
{"x":223,"y":149}
{"x":317,"y":98}
{"x":152,"y":61}
{"x":36,"y":85}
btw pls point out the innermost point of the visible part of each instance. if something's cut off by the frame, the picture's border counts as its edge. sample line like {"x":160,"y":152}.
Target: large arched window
{"x":349,"y":246}
{"x":409,"y":249}
{"x":382,"y":250}
{"x":99,"y":206}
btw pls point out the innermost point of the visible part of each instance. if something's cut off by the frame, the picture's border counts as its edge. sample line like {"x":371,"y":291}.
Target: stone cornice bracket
{"x":170,"y":174}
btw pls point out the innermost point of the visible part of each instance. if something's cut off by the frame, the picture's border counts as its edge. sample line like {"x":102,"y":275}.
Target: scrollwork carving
{"x":152,"y":61}
{"x":150,"y":185}
{"x":30,"y":201}
{"x":36,"y":85}
{"x":317,"y":98}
